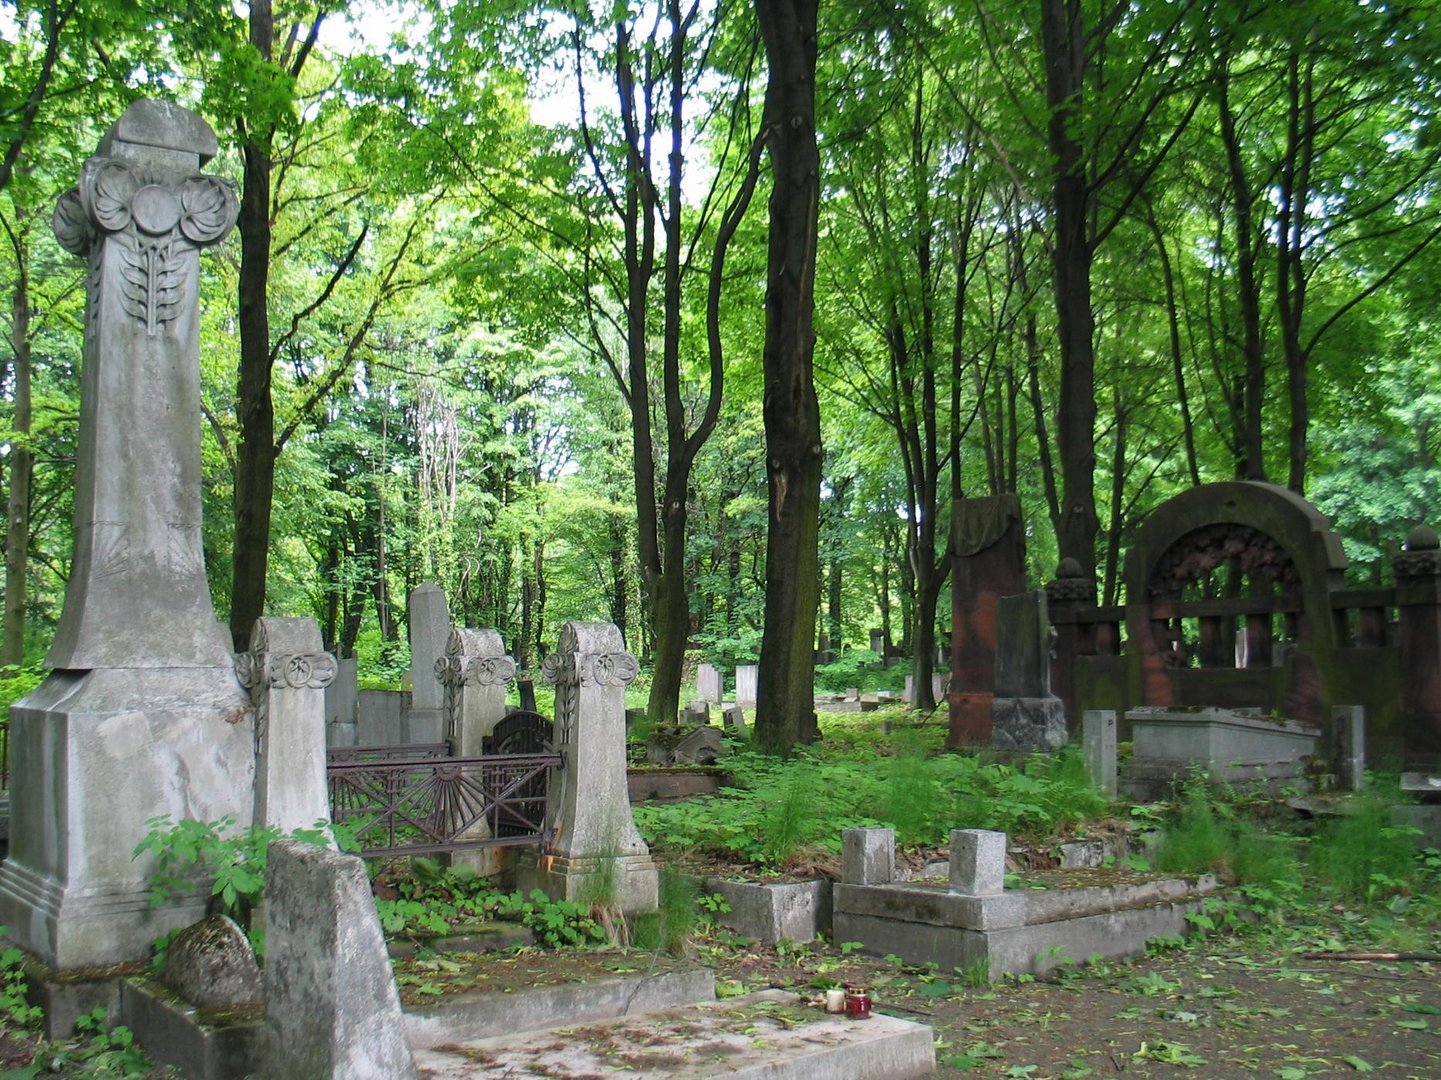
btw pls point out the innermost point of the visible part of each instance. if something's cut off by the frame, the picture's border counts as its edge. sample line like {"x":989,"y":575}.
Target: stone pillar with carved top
{"x":142,"y":716}
{"x":596,"y":855}
{"x":474,"y":674}
{"x":287,"y":671}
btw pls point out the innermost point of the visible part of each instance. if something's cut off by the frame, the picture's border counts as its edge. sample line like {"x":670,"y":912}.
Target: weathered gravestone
{"x":988,"y":561}
{"x":709,"y":683}
{"x":1025,"y":715}
{"x":475,"y":672}
{"x":141,"y":715}
{"x":342,"y":703}
{"x":331,"y":1005}
{"x":429,"y":630}
{"x":747,"y":680}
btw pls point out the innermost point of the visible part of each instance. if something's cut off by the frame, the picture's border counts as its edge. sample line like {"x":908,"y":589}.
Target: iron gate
{"x":416,"y":799}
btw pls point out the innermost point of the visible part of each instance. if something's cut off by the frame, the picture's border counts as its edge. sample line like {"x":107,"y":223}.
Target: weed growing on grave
{"x":15,"y":1010}
{"x":94,"y":1053}
{"x":189,"y":853}
{"x":678,"y":916}
{"x":432,"y":900}
{"x":1364,"y":856}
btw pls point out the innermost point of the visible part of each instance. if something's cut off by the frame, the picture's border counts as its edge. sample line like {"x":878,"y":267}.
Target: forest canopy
{"x":566,"y":306}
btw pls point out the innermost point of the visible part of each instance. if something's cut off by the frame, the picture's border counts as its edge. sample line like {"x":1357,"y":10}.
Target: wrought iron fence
{"x":418,"y":806}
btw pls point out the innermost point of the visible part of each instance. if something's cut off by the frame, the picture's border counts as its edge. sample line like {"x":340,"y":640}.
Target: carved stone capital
{"x":456,"y":671}
{"x":285,"y":671}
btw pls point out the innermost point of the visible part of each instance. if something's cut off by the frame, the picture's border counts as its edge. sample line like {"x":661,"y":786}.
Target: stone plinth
{"x":1028,"y":724}
{"x":1098,"y":739}
{"x":143,"y":715}
{"x":868,"y":856}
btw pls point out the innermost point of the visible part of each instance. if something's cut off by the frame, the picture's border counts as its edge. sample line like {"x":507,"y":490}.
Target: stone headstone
{"x":474,"y":674}
{"x":597,"y":855}
{"x":429,"y":630}
{"x":380,"y":717}
{"x":1023,"y":646}
{"x":342,"y":704}
{"x":709,"y":683}
{"x":331,"y":1005}
{"x":735,"y":720}
{"x":142,"y":715}
{"x":868,"y":856}
{"x":211,"y":965}
{"x":697,"y":714}
{"x":978,"y":862}
{"x":878,"y":642}
{"x":747,"y":681}
{"x":1098,"y":738}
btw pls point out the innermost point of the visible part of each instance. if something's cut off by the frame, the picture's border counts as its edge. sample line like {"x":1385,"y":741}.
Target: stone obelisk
{"x":142,"y":714}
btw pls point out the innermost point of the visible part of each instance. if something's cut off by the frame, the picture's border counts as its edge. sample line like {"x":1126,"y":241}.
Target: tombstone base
{"x":424,"y":726}
{"x":1028,"y":724}
{"x":94,"y":756}
{"x":630,"y":882}
{"x":970,"y":716}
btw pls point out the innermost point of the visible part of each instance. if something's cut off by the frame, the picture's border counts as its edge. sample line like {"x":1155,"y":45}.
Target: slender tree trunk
{"x":255,"y":451}
{"x":21,"y":462}
{"x":1253,"y":463}
{"x":786,"y":694}
{"x":1063,"y":41}
{"x":1178,"y":370}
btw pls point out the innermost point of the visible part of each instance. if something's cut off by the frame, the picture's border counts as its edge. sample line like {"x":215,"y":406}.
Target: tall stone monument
{"x":142,"y":714}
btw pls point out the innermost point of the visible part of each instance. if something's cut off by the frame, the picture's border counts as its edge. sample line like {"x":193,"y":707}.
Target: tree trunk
{"x":255,"y":452}
{"x":17,"y":526}
{"x":786,"y":694}
{"x":1253,"y":463}
{"x":1063,"y":42}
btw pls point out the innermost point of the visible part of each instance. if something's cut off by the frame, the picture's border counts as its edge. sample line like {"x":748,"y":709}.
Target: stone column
{"x":474,"y":674}
{"x":429,"y":629}
{"x":287,"y":671}
{"x":142,"y":715}
{"x":596,"y":854}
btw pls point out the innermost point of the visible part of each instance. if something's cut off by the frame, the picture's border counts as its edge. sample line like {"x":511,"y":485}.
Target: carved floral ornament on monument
{"x":156,"y":219}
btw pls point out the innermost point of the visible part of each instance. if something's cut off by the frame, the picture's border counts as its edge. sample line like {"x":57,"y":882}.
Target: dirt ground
{"x":1225,"y":1007}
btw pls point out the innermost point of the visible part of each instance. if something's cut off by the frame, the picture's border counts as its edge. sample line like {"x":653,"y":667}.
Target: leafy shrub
{"x":854,"y":667}
{"x":190,"y":853}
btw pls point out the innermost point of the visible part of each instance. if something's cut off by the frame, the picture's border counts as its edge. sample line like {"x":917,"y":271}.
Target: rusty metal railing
{"x":424,"y":806}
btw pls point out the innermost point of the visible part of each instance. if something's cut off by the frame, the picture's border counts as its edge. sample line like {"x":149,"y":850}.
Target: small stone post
{"x":1098,"y":735}
{"x":596,"y":854}
{"x":332,"y":1011}
{"x":868,"y":856}
{"x":1349,"y":723}
{"x":429,"y":629}
{"x":286,"y":672}
{"x":978,"y":862}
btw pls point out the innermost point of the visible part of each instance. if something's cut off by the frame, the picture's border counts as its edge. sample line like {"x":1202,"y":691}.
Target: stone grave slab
{"x":767,"y":1035}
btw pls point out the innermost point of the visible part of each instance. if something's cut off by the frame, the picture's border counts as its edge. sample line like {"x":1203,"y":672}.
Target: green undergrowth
{"x":779,"y":811}
{"x":431,"y":900}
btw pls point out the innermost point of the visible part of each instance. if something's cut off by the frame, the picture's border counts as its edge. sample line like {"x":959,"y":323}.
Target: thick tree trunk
{"x":786,"y":693}
{"x":1063,"y":42}
{"x":21,"y":462}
